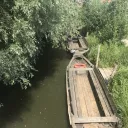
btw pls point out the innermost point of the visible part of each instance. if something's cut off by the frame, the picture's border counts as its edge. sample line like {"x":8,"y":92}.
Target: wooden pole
{"x":98,"y":54}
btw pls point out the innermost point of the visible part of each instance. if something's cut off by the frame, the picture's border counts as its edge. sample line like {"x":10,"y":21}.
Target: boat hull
{"x":88,"y":104}
{"x":77,"y":44}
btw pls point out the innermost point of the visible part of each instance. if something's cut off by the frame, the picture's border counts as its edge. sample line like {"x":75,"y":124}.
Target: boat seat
{"x":81,"y":72}
{"x":82,"y":43}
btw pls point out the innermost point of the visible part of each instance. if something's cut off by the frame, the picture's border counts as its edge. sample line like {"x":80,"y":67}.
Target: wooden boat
{"x":88,"y":100}
{"x":77,"y":44}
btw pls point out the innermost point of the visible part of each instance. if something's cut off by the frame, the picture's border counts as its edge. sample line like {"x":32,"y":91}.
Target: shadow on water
{"x":14,"y":101}
{"x":46,"y":64}
{"x":17,"y":101}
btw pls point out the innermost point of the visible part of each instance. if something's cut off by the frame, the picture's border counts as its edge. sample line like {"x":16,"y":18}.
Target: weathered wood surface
{"x":83,"y":43}
{"x":72,"y":89}
{"x":105,"y":89}
{"x":73,"y":45}
{"x":68,"y":97}
{"x":106,"y":72}
{"x":95,"y":120}
{"x":82,"y":94}
{"x":86,"y":104}
{"x":101,"y":95}
{"x":79,"y":111}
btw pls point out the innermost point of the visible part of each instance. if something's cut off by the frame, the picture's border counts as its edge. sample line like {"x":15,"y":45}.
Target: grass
{"x":119,"y":91}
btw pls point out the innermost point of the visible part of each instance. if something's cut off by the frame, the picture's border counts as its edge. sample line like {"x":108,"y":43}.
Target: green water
{"x":44,"y":104}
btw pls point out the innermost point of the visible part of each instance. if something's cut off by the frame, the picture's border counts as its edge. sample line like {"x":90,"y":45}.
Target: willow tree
{"x":26,"y":25}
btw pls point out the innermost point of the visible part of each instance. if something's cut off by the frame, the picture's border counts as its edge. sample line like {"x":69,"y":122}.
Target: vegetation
{"x":26,"y":27}
{"x":109,"y":21}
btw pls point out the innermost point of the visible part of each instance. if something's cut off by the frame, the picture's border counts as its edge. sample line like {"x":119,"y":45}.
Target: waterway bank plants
{"x":108,"y":20}
{"x":119,"y":91}
{"x":110,"y":53}
{"x":26,"y":27}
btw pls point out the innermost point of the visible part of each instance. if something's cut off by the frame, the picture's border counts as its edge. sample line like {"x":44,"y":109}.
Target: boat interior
{"x":89,"y":106}
{"x":77,"y":43}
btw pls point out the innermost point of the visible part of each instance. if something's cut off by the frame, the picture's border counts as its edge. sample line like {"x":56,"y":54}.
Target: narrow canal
{"x":44,"y":104}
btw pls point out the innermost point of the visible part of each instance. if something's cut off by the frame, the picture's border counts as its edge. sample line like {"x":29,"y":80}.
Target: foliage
{"x":119,"y":90}
{"x":5,"y":26}
{"x":26,"y":28}
{"x":110,"y":53}
{"x":109,"y":21}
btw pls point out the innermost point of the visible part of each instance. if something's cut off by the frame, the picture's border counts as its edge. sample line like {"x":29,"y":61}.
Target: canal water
{"x":44,"y":104}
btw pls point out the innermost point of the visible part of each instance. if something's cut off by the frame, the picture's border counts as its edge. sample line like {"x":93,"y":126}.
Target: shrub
{"x":26,"y":27}
{"x":110,"y":52}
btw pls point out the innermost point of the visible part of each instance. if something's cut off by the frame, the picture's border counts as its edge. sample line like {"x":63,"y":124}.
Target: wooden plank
{"x":77,"y":99}
{"x":106,"y":72}
{"x":82,"y":42}
{"x":95,"y":120}
{"x":83,"y":104}
{"x":89,"y":97}
{"x":68,"y":98}
{"x":85,"y":100}
{"x":81,"y":69}
{"x":103,"y":100}
{"x":77,"y":94}
{"x":70,"y":44}
{"x":104,"y":87}
{"x":102,"y":72}
{"x":72,"y":93}
{"x":79,"y":125}
{"x":75,"y":45}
